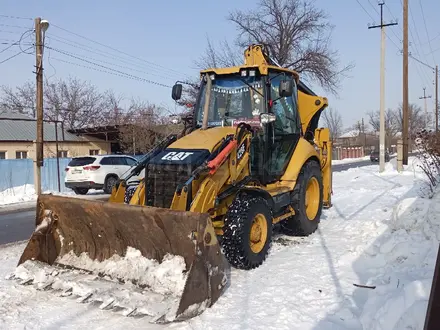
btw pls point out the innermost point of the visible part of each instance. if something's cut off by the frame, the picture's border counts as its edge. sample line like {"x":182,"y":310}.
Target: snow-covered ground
{"x":26,"y":194}
{"x":382,"y":231}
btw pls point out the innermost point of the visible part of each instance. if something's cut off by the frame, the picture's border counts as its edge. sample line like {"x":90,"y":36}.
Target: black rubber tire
{"x":81,"y":191}
{"x":299,"y":224}
{"x":236,"y":232}
{"x":110,"y":181}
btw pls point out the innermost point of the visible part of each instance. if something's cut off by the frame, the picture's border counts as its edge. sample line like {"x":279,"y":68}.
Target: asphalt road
{"x":19,"y":224}
{"x":344,"y":167}
{"x":16,"y":226}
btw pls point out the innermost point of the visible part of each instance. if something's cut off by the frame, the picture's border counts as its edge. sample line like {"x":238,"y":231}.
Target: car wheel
{"x":109,"y":183}
{"x":80,"y":191}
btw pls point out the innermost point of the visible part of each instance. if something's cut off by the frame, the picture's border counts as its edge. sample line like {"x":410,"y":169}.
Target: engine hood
{"x":202,"y":139}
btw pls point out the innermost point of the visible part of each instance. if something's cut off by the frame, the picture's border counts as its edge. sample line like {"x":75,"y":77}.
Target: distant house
{"x":18,"y":139}
{"x":355,"y":138}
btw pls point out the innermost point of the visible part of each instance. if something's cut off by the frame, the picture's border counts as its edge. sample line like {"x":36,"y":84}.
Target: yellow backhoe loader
{"x":253,"y":156}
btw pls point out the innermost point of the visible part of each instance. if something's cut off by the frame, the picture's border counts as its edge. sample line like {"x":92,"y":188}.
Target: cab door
{"x":285,"y":131}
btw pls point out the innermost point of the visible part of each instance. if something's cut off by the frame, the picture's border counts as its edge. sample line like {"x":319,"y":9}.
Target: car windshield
{"x":232,"y":98}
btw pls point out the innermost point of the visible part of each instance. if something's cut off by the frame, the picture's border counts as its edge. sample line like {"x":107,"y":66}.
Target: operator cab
{"x":268,"y":103}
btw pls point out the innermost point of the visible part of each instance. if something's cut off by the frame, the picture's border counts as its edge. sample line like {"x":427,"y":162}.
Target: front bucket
{"x":168,"y":261}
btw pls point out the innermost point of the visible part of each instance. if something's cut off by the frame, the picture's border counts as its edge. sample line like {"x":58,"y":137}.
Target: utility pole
{"x":436,"y":98}
{"x":39,"y":103}
{"x":424,"y":97}
{"x":40,"y":28}
{"x":365,"y":135}
{"x":382,"y":26}
{"x":405,"y":124}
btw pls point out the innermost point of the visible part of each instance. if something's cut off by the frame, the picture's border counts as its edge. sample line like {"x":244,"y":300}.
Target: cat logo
{"x":240,"y":151}
{"x":176,"y":155}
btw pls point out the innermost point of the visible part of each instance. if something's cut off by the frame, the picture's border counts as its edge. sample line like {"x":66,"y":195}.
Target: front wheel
{"x":247,"y":232}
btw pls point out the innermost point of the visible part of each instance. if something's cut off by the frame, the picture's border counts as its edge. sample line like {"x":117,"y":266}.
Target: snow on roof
{"x":351,"y":133}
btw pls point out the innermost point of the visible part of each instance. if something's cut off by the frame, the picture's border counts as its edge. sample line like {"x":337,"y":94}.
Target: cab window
{"x":286,"y":108}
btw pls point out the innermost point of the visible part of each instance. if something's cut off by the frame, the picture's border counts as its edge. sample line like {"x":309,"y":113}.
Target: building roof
{"x":349,"y":134}
{"x":19,"y":127}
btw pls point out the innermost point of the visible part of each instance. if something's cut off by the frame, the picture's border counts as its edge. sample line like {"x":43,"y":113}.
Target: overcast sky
{"x":170,"y":35}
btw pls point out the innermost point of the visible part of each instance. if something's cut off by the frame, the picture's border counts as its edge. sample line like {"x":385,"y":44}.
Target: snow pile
{"x":25,"y":193}
{"x":404,"y":266}
{"x":167,"y":277}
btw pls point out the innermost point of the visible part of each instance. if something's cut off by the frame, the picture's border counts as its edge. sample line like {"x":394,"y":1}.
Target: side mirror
{"x":176,"y":93}
{"x":266,"y":118}
{"x":286,"y":88}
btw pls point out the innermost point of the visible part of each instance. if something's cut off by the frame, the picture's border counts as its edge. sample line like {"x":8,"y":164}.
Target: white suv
{"x":97,"y":172}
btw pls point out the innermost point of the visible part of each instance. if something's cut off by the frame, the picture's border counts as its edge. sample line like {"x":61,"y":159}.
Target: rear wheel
{"x":81,"y":191}
{"x":247,"y":232}
{"x":109,"y":183}
{"x":307,"y":197}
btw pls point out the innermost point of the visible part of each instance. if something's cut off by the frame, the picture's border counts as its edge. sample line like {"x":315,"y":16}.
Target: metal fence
{"x":19,"y":172}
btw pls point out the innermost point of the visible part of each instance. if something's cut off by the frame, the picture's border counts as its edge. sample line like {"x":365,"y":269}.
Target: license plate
{"x":77,"y":171}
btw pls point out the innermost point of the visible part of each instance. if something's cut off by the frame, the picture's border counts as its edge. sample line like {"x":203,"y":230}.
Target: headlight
{"x":266,"y":118}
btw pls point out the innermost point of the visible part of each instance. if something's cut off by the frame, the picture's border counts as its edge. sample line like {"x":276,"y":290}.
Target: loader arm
{"x":222,"y":171}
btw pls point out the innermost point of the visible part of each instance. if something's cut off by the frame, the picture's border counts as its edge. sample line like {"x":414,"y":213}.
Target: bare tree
{"x":225,"y":57}
{"x":74,"y":102}
{"x":77,"y":103}
{"x":391,"y":126}
{"x":415,"y":119}
{"x":21,"y":100}
{"x":114,"y":112}
{"x":333,"y":120}
{"x":144,"y":124}
{"x":297,"y":35}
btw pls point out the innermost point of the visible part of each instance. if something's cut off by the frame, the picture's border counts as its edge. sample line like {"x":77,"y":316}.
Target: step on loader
{"x":251,"y":157}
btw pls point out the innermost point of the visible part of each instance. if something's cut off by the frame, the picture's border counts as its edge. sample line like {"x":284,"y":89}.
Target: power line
{"x":107,"y":68}
{"x":416,"y":31}
{"x":15,"y":26}
{"x":11,"y":57}
{"x":366,"y":11}
{"x":10,"y":46}
{"x":422,"y":73}
{"x":423,"y":63}
{"x":117,"y":50}
{"x":99,"y":52}
{"x":435,"y":50}
{"x":431,"y":40}
{"x":16,"y":17}
{"x":104,"y":71}
{"x":392,"y":16}
{"x":12,"y":32}
{"x":113,"y":64}
{"x":426,"y":29}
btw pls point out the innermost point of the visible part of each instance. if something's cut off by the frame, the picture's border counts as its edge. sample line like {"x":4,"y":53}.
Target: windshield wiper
{"x":250,"y":86}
